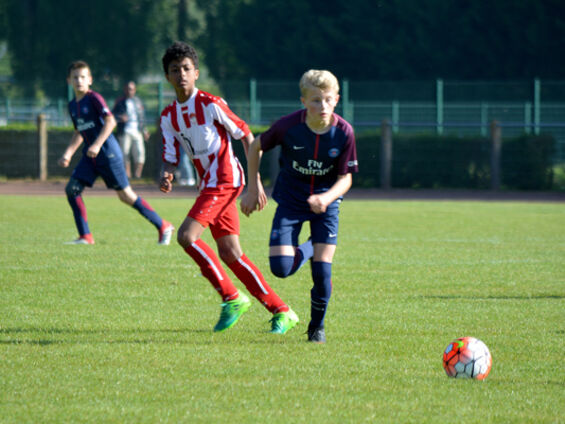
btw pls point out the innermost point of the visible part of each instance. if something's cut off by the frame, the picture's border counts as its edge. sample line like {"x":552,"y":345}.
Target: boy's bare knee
{"x":184,"y":239}
{"x":229,"y":249}
{"x":127,"y":195}
{"x":189,"y":232}
{"x":227,"y":254}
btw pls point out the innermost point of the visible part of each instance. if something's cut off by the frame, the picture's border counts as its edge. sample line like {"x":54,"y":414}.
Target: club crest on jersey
{"x":333,"y":152}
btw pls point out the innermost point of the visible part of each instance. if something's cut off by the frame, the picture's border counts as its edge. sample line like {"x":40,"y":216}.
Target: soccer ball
{"x":467,"y":357}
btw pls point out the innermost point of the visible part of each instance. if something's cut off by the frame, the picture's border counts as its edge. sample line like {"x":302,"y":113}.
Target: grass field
{"x":122,"y":331}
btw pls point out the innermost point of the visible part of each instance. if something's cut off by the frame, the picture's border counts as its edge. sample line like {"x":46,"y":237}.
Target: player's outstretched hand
{"x":63,"y":162}
{"x":93,"y":151}
{"x":253,"y":200}
{"x":166,"y":183}
{"x":248,"y":203}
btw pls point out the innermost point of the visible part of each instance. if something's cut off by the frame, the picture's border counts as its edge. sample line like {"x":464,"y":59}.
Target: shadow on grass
{"x":501,"y":297}
{"x":35,"y":336}
{"x":17,"y":336}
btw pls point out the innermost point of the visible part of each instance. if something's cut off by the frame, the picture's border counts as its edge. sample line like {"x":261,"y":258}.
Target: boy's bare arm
{"x":76,"y":141}
{"x":319,"y":202}
{"x":246,"y":141}
{"x":109,"y":125}
{"x":255,"y":198}
{"x":253,"y":153}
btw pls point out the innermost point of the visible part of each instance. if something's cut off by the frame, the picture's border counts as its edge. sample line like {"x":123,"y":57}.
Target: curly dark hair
{"x":178,"y":51}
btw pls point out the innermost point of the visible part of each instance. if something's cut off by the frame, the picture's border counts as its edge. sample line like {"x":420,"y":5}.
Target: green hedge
{"x":369,"y":157}
{"x":434,"y":161}
{"x":419,"y":161}
{"x":526,"y":162}
{"x":441,"y":162}
{"x":19,"y":153}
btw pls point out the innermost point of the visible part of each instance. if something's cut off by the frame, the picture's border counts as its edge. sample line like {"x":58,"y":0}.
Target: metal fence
{"x":456,"y":107}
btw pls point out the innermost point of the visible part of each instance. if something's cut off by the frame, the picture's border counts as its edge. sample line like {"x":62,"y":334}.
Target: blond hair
{"x":322,"y":79}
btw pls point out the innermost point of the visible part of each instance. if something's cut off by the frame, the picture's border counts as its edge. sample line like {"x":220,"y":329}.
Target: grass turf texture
{"x":122,"y":331}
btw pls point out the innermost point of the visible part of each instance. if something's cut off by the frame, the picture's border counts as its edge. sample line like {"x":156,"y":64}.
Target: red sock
{"x":250,"y":275}
{"x":212,"y":269}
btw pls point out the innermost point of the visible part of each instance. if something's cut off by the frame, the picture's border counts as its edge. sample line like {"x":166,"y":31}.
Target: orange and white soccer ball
{"x":467,"y":357}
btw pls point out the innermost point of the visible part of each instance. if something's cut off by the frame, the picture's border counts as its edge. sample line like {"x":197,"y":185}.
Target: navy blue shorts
{"x":112,"y":171}
{"x":287,"y":224}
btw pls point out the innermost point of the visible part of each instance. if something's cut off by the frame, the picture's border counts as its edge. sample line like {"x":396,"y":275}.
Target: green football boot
{"x":283,"y":321}
{"x":232,"y":311}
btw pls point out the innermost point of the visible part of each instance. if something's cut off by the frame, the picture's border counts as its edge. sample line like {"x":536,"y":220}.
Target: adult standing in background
{"x":132,"y":134}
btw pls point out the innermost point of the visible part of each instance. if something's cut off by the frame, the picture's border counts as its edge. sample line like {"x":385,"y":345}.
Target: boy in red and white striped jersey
{"x":203,"y":125}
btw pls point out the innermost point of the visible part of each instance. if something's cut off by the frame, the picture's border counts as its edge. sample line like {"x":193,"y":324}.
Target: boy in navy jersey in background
{"x":317,"y":158}
{"x":203,"y":125}
{"x":102,"y":156}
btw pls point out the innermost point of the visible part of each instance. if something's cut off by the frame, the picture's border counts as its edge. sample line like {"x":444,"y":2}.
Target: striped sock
{"x":212,"y":269}
{"x":250,"y":275}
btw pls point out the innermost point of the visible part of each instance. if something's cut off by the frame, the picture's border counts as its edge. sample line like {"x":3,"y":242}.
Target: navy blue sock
{"x":284,"y":266}
{"x":73,"y":189}
{"x":148,"y":213}
{"x":320,"y":293}
{"x":79,"y":214}
{"x":303,"y":253}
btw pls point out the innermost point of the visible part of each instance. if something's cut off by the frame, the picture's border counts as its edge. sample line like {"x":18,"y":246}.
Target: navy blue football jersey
{"x":88,"y":118}
{"x":309,"y":162}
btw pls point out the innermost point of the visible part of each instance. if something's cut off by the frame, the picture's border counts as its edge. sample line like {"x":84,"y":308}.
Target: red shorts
{"x":217,"y":208}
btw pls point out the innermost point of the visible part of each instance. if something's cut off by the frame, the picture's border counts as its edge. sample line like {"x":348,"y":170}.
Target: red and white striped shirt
{"x":204,"y":126}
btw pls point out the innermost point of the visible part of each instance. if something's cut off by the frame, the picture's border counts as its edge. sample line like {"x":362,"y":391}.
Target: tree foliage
{"x":393,"y":39}
{"x":119,"y":39}
{"x":280,"y":39}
